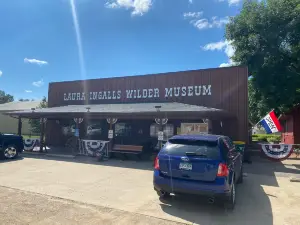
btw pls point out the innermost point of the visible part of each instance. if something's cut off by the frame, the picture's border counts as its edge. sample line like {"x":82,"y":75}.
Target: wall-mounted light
{"x":32,"y":109}
{"x":88,"y":109}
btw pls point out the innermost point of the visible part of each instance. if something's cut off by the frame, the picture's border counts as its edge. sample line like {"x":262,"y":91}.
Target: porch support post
{"x":160,"y":128}
{"x":42,"y":134}
{"x":78,"y":121}
{"x":111,"y":122}
{"x":111,"y":139}
{"x":19,"y":126}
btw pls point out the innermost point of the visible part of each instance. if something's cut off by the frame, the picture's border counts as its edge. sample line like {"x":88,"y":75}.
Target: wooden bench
{"x":128,"y":149}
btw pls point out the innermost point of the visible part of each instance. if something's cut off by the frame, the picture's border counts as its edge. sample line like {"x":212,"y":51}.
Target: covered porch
{"x":124,"y":128}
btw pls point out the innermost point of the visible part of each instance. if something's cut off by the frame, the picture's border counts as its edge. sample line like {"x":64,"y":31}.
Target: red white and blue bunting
{"x":277,"y":151}
{"x":30,"y":144}
{"x":91,"y":147}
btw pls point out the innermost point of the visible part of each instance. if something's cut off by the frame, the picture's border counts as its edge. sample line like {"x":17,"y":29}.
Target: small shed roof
{"x":18,"y":106}
{"x":123,"y":110}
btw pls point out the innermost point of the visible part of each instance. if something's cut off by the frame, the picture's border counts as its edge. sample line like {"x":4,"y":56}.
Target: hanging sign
{"x":160,"y":135}
{"x":143,"y":93}
{"x":110,"y":134}
{"x":277,"y":152}
{"x":194,"y":128}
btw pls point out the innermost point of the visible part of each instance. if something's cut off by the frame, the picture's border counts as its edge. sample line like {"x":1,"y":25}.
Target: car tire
{"x":241,"y":177}
{"x":163,"y":194}
{"x":9,"y":152}
{"x":230,"y":201}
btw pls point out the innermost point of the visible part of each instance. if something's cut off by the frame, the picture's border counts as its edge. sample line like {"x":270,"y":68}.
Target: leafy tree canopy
{"x":5,"y":98}
{"x":24,"y":100}
{"x":35,"y":124}
{"x":266,"y":38}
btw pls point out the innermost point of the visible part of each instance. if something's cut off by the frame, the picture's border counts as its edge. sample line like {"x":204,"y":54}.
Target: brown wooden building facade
{"x":220,"y":88}
{"x":217,"y":97}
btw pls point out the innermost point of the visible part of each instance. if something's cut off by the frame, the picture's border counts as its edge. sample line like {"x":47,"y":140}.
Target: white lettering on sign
{"x":169,"y":92}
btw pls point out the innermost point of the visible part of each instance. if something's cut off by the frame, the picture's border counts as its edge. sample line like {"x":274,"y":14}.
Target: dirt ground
{"x":19,"y":207}
{"x":43,"y":190}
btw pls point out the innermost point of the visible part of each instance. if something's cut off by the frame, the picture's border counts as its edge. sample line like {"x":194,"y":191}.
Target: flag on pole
{"x":271,"y":123}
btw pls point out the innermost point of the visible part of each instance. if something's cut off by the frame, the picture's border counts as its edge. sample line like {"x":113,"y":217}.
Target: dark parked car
{"x":10,"y":146}
{"x":207,"y":165}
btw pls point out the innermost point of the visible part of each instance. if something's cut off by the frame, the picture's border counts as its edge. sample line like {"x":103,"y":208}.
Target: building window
{"x":168,"y":130}
{"x":123,"y":130}
{"x":94,"y":129}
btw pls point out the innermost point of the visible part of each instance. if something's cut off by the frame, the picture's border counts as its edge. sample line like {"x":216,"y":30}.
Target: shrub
{"x":261,"y":138}
{"x":266,"y":137}
{"x":274,"y":139}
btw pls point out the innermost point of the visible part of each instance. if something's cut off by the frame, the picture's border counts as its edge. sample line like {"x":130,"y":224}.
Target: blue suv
{"x":201,"y":164}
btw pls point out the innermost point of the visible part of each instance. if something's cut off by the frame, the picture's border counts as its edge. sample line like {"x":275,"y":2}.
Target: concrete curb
{"x":61,"y":155}
{"x":295,"y":179}
{"x":47,"y":154}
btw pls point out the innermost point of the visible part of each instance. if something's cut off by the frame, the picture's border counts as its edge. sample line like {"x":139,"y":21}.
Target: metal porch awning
{"x":132,"y":110}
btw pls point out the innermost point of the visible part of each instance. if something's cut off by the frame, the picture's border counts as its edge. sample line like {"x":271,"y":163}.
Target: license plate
{"x":185,"y":166}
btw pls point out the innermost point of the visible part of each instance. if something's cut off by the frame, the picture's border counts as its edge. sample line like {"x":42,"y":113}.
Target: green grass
{"x":32,"y":136}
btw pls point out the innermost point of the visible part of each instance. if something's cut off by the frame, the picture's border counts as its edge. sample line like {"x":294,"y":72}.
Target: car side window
{"x":229,"y":143}
{"x":225,"y":149}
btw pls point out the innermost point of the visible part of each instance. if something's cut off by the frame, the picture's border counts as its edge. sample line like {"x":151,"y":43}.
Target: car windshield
{"x":206,"y":149}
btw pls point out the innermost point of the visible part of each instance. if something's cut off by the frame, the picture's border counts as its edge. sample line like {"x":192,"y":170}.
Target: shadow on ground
{"x":252,"y":207}
{"x":11,"y":160}
{"x":267,"y":167}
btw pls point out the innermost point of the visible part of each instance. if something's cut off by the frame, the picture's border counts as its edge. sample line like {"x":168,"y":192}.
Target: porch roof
{"x":135,"y":110}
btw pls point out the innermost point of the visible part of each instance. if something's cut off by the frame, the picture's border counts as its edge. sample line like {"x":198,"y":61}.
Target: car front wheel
{"x":10,"y":152}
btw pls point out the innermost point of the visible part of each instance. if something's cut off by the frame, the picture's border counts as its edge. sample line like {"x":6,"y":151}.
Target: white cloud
{"x":215,"y":46}
{"x":215,"y":22}
{"x":28,"y":91}
{"x":225,"y":46}
{"x":39,"y":83}
{"x":232,"y":2}
{"x":225,"y":64}
{"x":138,"y":7}
{"x":1,"y":73}
{"x":35,"y":61}
{"x":192,"y":14}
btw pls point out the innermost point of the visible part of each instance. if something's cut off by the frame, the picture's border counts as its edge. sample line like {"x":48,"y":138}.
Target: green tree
{"x":35,"y":124}
{"x":24,"y":100}
{"x":266,"y":38}
{"x":5,"y":98}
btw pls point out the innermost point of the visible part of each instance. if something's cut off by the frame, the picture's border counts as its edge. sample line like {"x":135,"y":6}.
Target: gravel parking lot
{"x":121,"y":192}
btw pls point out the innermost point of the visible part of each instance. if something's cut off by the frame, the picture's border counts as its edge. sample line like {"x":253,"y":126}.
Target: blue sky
{"x":38,"y":42}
